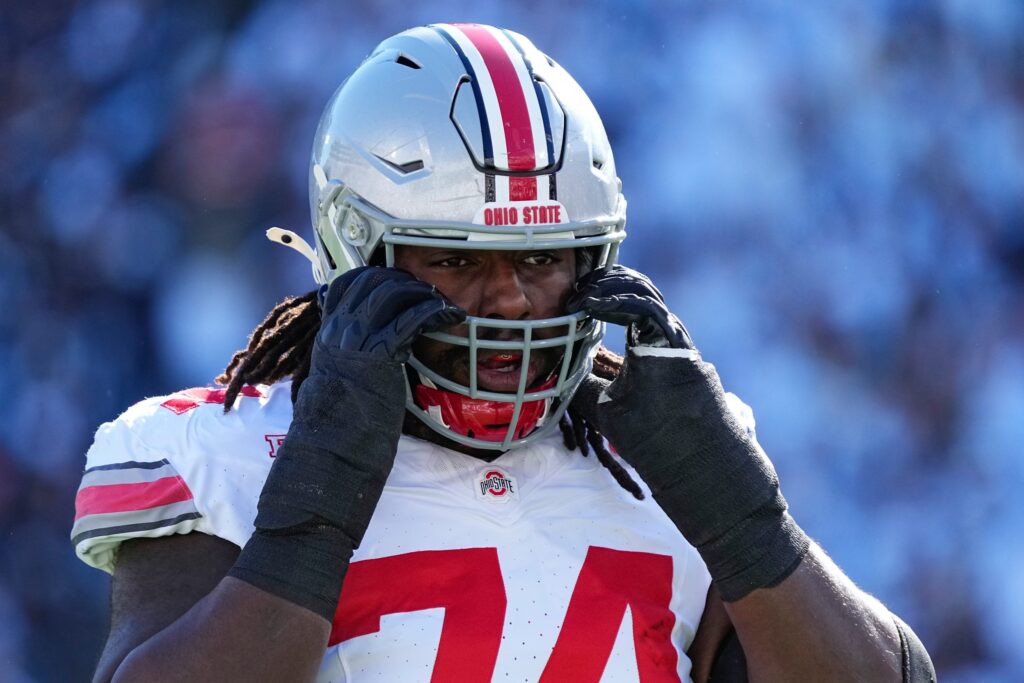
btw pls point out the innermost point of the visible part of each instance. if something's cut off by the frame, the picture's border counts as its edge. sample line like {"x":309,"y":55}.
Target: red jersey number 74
{"x":468,"y":584}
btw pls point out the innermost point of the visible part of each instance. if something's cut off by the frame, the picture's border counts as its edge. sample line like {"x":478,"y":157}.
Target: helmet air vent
{"x":406,"y":168}
{"x":406,"y":61}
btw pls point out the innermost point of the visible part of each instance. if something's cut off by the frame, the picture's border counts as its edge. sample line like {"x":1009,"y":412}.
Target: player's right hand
{"x":329,"y":474}
{"x":381,"y":311}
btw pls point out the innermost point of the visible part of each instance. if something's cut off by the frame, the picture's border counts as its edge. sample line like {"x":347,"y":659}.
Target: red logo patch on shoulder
{"x":496,"y":486}
{"x":184,"y":401}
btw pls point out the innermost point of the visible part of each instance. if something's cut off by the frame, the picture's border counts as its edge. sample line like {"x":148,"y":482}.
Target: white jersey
{"x":536,"y":567}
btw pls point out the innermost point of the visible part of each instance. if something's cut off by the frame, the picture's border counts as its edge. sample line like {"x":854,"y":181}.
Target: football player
{"x":390,"y":482}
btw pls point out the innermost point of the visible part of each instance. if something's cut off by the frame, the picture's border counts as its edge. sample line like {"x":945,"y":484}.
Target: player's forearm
{"x":816,"y":626}
{"x":797,"y":616}
{"x":236,"y":633}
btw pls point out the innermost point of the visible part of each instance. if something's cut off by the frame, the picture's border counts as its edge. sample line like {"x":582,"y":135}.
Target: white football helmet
{"x":468,"y":133}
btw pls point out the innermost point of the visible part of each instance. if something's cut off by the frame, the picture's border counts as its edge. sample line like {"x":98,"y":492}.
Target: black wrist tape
{"x":326,"y":480}
{"x":668,"y":418}
{"x":305,"y":565}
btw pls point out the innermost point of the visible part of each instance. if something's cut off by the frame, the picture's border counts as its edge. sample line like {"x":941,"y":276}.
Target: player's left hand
{"x":622,"y":296}
{"x":668,"y":416}
{"x":658,"y":376}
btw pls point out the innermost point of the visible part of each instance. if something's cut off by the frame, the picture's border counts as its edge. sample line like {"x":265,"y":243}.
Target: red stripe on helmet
{"x":511,"y":100}
{"x":522,"y":189}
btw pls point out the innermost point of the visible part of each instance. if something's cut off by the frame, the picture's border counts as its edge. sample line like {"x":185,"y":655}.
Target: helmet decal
{"x":512,"y":109}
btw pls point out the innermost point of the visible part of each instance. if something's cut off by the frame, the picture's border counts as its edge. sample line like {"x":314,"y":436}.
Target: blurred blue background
{"x":831,"y":194}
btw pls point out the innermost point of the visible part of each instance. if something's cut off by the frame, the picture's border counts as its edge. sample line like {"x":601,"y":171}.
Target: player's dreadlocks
{"x":282,"y":345}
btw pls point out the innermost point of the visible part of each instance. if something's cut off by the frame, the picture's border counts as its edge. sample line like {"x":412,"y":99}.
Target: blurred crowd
{"x":831,"y":195}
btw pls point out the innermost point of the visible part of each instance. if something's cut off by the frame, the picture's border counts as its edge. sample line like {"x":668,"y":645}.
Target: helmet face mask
{"x":469,"y":136}
{"x":514,"y":419}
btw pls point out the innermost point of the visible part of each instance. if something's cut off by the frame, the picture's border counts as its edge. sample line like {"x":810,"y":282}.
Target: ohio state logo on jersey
{"x":496,"y":486}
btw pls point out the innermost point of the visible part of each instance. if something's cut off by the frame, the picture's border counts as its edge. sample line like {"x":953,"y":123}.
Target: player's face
{"x":506,"y":285}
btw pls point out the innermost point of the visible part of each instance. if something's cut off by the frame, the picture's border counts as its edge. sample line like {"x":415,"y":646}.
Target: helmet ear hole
{"x":586,"y":259}
{"x":407,"y":61}
{"x":322,"y":248}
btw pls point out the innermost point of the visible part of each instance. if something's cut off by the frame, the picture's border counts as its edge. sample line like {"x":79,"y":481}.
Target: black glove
{"x":666,"y":415}
{"x":381,"y":311}
{"x":623,"y":296}
{"x":330,"y":471}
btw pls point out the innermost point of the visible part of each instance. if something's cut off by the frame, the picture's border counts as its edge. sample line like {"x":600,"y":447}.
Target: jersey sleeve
{"x":174,"y":465}
{"x":128,"y":490}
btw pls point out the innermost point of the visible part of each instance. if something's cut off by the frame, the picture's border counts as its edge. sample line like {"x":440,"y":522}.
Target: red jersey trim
{"x":93,"y":500}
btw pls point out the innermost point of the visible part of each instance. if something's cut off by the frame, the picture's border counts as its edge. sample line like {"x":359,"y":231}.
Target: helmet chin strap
{"x":479,"y":418}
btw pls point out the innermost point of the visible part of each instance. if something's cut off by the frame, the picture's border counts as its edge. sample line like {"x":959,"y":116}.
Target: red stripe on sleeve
{"x":93,"y":500}
{"x":515,"y":116}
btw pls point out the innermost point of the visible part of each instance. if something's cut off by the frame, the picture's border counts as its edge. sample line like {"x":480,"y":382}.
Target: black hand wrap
{"x":330,"y":471}
{"x":666,"y":414}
